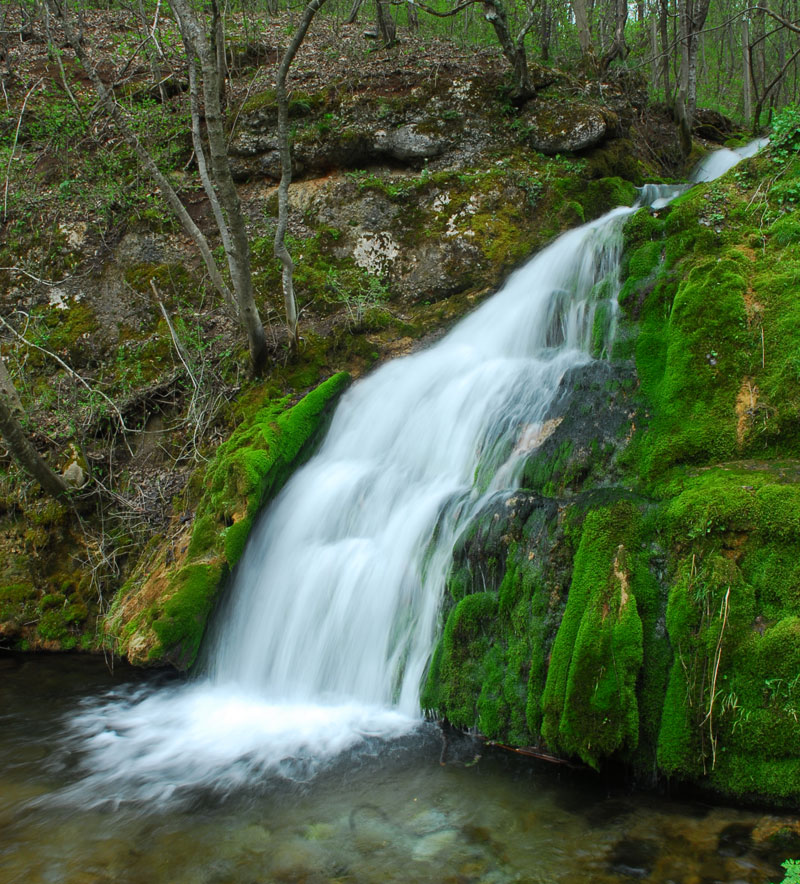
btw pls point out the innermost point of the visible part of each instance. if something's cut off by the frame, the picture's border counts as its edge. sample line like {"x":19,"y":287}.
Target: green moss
{"x":455,"y":683}
{"x":543,"y":473}
{"x":733,"y":621}
{"x":617,"y":159}
{"x":204,"y":536}
{"x":18,"y":602}
{"x":301,"y":104}
{"x":693,"y":349}
{"x":181,"y":623}
{"x":67,"y":331}
{"x":599,"y":196}
{"x":589,"y":704}
{"x":247,"y":470}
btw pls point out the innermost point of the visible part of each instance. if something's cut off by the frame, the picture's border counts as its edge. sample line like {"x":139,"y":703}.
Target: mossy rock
{"x":160,"y":615}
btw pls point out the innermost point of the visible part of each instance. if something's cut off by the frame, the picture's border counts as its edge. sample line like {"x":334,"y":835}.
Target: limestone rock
{"x":74,"y":475}
{"x":566,"y":129}
{"x":407,"y":144}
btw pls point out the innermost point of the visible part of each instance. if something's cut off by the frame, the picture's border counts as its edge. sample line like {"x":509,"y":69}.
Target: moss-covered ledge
{"x":159,"y":615}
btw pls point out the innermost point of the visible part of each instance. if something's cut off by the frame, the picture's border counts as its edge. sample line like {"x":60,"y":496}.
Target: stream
{"x":386,"y":811}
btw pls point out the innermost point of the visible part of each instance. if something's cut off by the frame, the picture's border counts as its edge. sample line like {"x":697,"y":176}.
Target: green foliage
{"x":785,"y":140}
{"x":792,"y":867}
{"x":367,"y":295}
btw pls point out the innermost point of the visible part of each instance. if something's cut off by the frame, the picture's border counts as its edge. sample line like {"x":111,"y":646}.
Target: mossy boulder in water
{"x":159,"y":616}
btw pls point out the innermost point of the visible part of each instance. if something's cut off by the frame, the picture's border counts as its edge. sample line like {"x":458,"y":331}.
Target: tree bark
{"x":546,"y":30}
{"x":692,"y":18}
{"x":281,"y":252}
{"x":584,"y":30}
{"x":385,"y":23}
{"x":353,"y":14}
{"x":663,"y":22}
{"x":27,"y":456}
{"x":619,"y":48}
{"x":238,"y":251}
{"x":514,"y":51}
{"x":747,"y":74}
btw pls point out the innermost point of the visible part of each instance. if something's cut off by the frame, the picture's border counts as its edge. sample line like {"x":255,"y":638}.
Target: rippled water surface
{"x":384,"y":811}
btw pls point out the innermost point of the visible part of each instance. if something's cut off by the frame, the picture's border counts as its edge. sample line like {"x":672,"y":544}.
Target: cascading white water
{"x":333,"y":613}
{"x":718,"y":162}
{"x":337,"y":595}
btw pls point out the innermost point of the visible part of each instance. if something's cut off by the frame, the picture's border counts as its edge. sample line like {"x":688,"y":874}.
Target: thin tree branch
{"x":71,"y":371}
{"x":14,"y":148}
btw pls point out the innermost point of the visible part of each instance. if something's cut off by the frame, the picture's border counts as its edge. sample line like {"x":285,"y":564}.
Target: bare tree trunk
{"x":354,"y":10}
{"x":29,"y":458}
{"x":514,"y":51}
{"x":584,"y":30}
{"x":655,"y":66}
{"x":238,"y":251}
{"x":692,"y":15}
{"x":769,"y":92}
{"x":663,"y":23}
{"x":281,"y":252}
{"x":619,"y":48}
{"x":218,"y":48}
{"x":413,"y":18}
{"x":546,"y":30}
{"x":386,"y":26}
{"x":747,"y":74}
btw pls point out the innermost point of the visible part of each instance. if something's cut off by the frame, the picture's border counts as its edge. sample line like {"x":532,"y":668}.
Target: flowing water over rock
{"x":332,"y":615}
{"x":718,"y":162}
{"x":333,"y":611}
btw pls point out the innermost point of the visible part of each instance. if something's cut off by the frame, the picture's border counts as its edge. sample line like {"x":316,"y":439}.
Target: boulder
{"x":408,"y":145}
{"x":567,"y":128}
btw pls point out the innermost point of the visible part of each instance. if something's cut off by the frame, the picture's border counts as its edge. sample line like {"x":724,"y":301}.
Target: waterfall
{"x":328,"y":627}
{"x":718,"y":162}
{"x":337,"y":595}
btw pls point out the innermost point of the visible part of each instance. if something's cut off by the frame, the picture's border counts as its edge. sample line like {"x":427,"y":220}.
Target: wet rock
{"x":297,"y":861}
{"x":427,"y":822}
{"x":735,"y":840}
{"x":634,"y":858}
{"x":712,"y":125}
{"x":433,"y":844}
{"x":608,"y":813}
